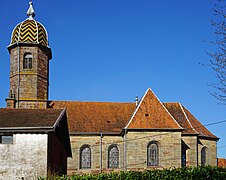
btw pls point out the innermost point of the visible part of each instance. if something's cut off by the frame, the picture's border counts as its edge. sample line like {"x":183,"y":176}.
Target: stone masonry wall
{"x":14,"y":70}
{"x":33,"y":104}
{"x":26,"y":157}
{"x":169,"y":149}
{"x":33,"y":83}
{"x":136,"y":151}
{"x":211,"y":146}
{"x":191,"y":152}
{"x":94,"y":143}
{"x":43,"y":75}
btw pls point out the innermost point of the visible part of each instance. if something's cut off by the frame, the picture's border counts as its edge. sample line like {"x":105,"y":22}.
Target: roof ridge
{"x":187,"y":118}
{"x":59,"y":118}
{"x":76,"y":101}
{"x":171,"y":102}
{"x":170,"y":114}
{"x":136,"y":109}
{"x":201,"y":129}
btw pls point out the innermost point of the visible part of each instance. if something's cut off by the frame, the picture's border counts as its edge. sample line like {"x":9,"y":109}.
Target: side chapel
{"x":104,"y":136}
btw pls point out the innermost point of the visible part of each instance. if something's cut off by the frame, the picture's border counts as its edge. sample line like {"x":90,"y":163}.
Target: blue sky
{"x":113,"y":50}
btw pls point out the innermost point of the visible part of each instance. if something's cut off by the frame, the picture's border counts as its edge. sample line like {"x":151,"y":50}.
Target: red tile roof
{"x":190,"y":124}
{"x":221,"y":162}
{"x":113,"y":117}
{"x":198,"y":126}
{"x":13,"y":119}
{"x":106,"y":117}
{"x":151,"y":114}
{"x":177,"y":112}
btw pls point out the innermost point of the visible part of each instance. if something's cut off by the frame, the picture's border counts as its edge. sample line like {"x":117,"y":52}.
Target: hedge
{"x":187,"y":173}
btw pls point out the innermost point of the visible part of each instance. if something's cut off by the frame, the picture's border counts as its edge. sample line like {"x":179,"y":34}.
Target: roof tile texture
{"x":19,"y":118}
{"x":221,"y":162}
{"x":96,"y":117}
{"x":112,"y":117}
{"x":178,"y":114}
{"x":190,"y":124}
{"x":197,"y":125}
{"x":151,"y":114}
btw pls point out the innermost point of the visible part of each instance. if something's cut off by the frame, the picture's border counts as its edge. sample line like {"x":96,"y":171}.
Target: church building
{"x":94,"y":137}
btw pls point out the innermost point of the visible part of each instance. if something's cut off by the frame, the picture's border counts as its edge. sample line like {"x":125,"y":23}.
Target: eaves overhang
{"x":95,"y":133}
{"x":209,"y":138}
{"x":45,"y":48}
{"x":44,"y":130}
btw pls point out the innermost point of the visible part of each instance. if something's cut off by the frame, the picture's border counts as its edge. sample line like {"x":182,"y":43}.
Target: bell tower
{"x":29,"y":64}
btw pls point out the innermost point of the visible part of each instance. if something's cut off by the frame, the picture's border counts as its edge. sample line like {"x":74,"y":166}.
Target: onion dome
{"x":30,"y":31}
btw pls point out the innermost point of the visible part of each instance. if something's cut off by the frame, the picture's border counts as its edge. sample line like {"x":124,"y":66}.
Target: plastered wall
{"x":26,"y":157}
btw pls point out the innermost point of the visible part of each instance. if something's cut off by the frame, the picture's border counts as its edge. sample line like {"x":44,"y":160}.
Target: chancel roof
{"x":190,"y":124}
{"x":179,"y":115}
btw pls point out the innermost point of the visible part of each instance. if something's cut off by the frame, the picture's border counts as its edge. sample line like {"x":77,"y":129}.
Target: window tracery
{"x":152,"y":154}
{"x":113,"y":156}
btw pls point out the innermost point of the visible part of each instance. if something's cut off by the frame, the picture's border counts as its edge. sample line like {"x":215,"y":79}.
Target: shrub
{"x":187,"y":173}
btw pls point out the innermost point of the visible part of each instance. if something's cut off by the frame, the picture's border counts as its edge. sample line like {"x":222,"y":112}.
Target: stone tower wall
{"x":29,"y":87}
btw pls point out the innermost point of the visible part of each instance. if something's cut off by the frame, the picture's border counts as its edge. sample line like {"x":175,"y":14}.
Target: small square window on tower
{"x":6,"y":139}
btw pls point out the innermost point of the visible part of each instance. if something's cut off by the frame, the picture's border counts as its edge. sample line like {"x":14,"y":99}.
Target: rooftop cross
{"x":30,"y":11}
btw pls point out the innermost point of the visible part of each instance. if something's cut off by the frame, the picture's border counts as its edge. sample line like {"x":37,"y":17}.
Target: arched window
{"x":152,"y":154}
{"x":85,"y":157}
{"x":204,"y":156}
{"x":183,"y":156}
{"x":113,"y":156}
{"x":184,"y":148}
{"x":27,"y":63}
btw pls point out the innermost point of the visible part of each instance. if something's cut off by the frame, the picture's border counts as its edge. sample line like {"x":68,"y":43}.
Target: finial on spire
{"x":30,"y":11}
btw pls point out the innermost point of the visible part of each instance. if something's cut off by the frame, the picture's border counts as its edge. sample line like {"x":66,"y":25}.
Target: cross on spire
{"x":30,"y":11}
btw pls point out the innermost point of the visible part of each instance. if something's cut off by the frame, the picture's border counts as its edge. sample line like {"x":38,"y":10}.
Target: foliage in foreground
{"x":200,"y":173}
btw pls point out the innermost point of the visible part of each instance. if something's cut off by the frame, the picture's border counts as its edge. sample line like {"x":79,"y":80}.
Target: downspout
{"x":124,"y":142}
{"x":197,"y":153}
{"x":216,"y":153}
{"x":101,"y":136}
{"x":18,"y":88}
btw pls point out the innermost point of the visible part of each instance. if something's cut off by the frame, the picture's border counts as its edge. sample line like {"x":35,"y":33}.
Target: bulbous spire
{"x":30,"y":30}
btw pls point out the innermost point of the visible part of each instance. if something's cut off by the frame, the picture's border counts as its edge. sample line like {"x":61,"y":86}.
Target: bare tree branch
{"x":218,"y":57}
